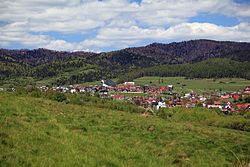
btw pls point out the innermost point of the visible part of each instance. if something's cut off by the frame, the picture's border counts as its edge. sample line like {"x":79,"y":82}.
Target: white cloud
{"x":118,"y":23}
{"x":125,"y":37}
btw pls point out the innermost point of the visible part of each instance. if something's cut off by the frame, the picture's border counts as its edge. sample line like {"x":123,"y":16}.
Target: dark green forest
{"x":212,"y":68}
{"x":191,"y":59}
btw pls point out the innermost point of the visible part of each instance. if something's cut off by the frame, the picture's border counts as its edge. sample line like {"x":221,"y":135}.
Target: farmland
{"x":42,"y":132}
{"x":199,"y":85}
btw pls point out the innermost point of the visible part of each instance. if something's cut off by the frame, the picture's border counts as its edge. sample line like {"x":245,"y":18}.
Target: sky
{"x":106,"y":25}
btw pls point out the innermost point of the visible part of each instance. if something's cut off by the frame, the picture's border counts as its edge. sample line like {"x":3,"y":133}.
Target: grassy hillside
{"x":40,"y":132}
{"x":197,"y":85}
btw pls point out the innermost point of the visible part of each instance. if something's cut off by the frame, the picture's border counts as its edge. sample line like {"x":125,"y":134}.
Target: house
{"x":73,"y":90}
{"x":170,"y":88}
{"x":187,"y":95}
{"x":226,"y":96}
{"x":129,"y":83}
{"x":43,"y":88}
{"x":161,"y":104}
{"x":146,"y":88}
{"x":202,"y":98}
{"x":163,"y":89}
{"x":227,"y":107}
{"x":190,"y":105}
{"x":247,"y":90}
{"x":236,"y":96}
{"x":82,"y":90}
{"x":103,"y":93}
{"x":108,"y":83}
{"x":118,"y":97}
{"x":216,"y":104}
{"x":244,"y":106}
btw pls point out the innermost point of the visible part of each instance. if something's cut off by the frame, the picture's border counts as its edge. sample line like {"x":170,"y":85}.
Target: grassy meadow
{"x":42,"y":132}
{"x":199,"y":85}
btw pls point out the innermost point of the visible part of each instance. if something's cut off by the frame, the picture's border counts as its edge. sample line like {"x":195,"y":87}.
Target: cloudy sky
{"x":104,"y":25}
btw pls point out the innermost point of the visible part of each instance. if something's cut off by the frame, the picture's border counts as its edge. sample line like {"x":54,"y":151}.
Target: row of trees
{"x":80,"y":70}
{"x":213,"y":68}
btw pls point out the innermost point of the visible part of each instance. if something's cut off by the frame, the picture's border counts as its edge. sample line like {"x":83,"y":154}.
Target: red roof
{"x":118,"y":97}
{"x":225,"y":96}
{"x":243,"y":106}
{"x":209,"y":103}
{"x":247,"y":92}
{"x":247,"y":88}
{"x":236,"y":96}
{"x":217,"y":102}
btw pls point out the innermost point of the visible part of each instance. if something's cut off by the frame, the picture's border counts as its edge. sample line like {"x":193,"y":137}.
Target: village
{"x":153,"y":97}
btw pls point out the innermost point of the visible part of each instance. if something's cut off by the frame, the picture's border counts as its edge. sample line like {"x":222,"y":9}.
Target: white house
{"x":72,"y":90}
{"x":129,"y":83}
{"x":161,"y":105}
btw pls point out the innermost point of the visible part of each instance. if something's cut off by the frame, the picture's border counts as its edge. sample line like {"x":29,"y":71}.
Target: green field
{"x":199,"y":85}
{"x":41,"y":132}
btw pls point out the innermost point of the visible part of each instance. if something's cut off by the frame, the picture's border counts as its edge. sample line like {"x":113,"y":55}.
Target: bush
{"x":239,"y":125}
{"x":20,"y":91}
{"x":60,"y":97}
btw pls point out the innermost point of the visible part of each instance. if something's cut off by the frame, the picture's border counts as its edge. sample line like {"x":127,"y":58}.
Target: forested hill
{"x":60,"y":67}
{"x":212,"y":68}
{"x":39,"y":56}
{"x":173,"y":53}
{"x":193,"y":51}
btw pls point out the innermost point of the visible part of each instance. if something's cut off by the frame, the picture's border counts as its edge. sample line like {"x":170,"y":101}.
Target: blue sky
{"x":106,"y":25}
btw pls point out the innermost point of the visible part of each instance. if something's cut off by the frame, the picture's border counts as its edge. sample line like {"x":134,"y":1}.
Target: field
{"x":41,"y":132}
{"x":199,"y":85}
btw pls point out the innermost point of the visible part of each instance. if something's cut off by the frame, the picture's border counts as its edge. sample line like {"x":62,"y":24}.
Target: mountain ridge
{"x":83,"y":66}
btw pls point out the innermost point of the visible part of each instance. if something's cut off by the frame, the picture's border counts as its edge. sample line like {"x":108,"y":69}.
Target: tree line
{"x":212,"y":68}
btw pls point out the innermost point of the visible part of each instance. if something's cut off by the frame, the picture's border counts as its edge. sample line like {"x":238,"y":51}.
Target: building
{"x":108,"y":83}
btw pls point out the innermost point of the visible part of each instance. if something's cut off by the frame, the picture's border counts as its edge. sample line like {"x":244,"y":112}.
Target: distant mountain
{"x":176,"y":52}
{"x":37,"y":56}
{"x":193,"y":51}
{"x":60,"y":67}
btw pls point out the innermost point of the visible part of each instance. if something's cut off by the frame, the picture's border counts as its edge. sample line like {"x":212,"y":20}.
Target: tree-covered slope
{"x":75,"y":67}
{"x":194,"y":51}
{"x":212,"y":68}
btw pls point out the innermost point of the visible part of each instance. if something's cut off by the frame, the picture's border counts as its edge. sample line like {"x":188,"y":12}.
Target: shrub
{"x":239,"y":125}
{"x":60,"y":97}
{"x":20,"y":91}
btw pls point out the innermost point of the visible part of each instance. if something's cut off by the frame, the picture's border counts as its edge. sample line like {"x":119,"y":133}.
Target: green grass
{"x":40,"y":132}
{"x":198,"y":85}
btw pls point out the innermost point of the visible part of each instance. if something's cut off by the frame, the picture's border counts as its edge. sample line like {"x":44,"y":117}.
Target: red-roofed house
{"x":218,"y":103}
{"x":244,"y":106}
{"x":247,"y":90}
{"x":227,"y":96}
{"x":236,"y":96}
{"x":118,"y":97}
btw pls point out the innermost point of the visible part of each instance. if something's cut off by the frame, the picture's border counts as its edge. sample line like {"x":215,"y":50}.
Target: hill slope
{"x":194,"y":51}
{"x":39,"y":132}
{"x":212,"y":68}
{"x":75,"y":67}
